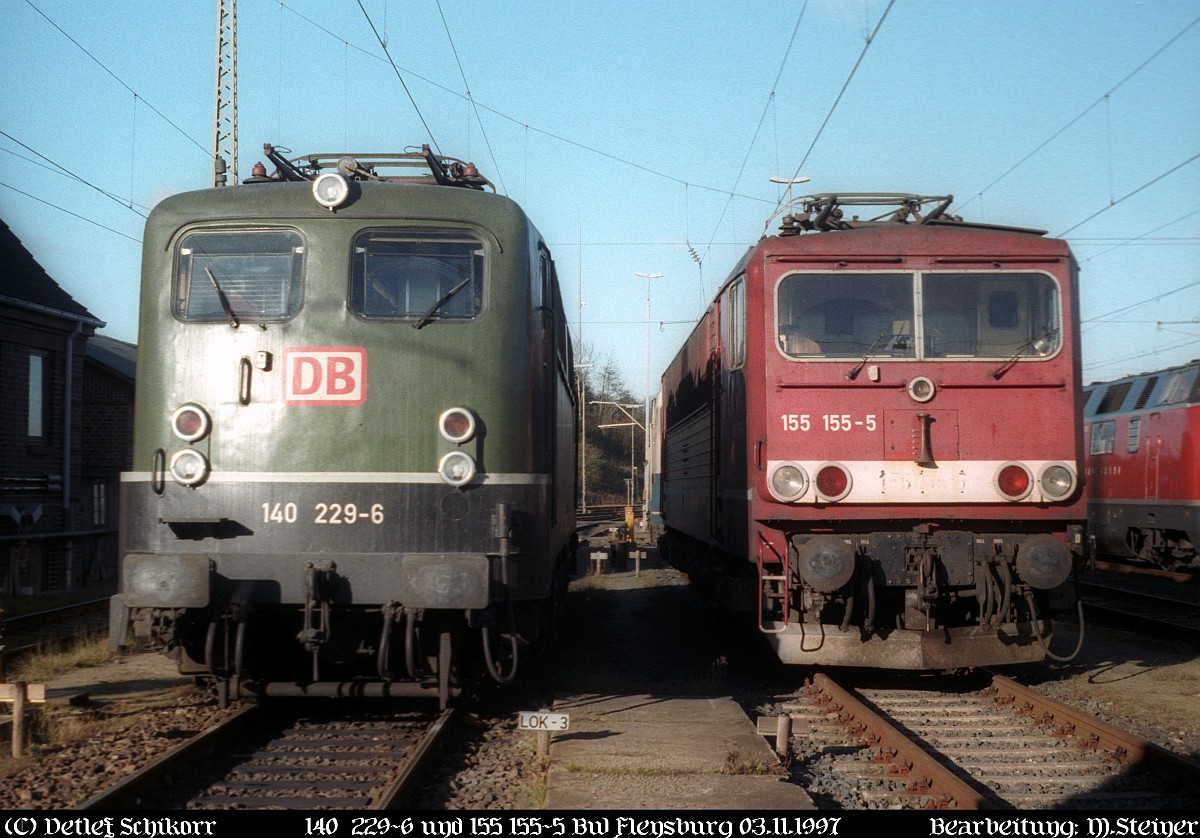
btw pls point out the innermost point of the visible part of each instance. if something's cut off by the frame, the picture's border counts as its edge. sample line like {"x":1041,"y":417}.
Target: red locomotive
{"x":872,"y":439}
{"x":1143,"y":466}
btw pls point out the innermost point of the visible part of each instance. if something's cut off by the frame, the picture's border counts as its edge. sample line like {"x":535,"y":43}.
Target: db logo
{"x":325,"y":375}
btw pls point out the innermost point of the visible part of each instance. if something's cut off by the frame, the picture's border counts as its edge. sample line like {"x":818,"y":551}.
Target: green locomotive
{"x":354,"y":461}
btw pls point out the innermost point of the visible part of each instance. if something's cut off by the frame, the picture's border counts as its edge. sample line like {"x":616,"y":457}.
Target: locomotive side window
{"x":417,"y":274}
{"x":1104,"y":436}
{"x":845,"y":315}
{"x":991,"y":315}
{"x":733,"y":325}
{"x":239,"y":275}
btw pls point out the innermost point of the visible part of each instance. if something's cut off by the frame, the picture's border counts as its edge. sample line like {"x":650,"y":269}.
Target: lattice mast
{"x":225,"y":131}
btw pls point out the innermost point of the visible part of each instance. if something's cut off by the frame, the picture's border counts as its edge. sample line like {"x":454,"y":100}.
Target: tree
{"x":610,"y":451}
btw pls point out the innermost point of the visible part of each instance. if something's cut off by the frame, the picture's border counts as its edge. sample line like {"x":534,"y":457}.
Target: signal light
{"x":1057,"y":481}
{"x":921,"y":389}
{"x":456,"y":468}
{"x":457,"y":424}
{"x":189,"y":467}
{"x":833,"y":482}
{"x":331,"y":190}
{"x":191,"y":422}
{"x":1013,"y":481}
{"x":787,"y":482}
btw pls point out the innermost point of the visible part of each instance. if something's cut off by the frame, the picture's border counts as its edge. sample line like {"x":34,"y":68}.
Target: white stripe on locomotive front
{"x":349,"y":477}
{"x":897,"y":481}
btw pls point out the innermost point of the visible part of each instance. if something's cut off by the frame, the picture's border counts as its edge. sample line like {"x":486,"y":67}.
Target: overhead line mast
{"x":225,"y":132}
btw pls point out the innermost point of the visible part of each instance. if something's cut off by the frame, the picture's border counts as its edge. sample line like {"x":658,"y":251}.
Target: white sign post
{"x":544,"y":723}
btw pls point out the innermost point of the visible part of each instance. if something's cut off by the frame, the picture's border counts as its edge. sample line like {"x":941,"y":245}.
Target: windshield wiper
{"x":427,"y":316}
{"x":853,"y":374}
{"x":233,"y":321}
{"x":1011,"y":362}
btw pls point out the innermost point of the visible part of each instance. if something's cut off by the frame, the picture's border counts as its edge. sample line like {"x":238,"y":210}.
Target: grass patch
{"x":627,"y":772}
{"x":736,"y":764}
{"x":56,"y":659}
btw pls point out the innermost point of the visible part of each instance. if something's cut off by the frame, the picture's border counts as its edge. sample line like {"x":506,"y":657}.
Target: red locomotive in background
{"x":1143,"y":466}
{"x":872,"y":440}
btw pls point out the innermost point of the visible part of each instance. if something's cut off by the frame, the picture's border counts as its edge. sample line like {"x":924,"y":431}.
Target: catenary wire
{"x":471,"y":99}
{"x":770,"y":98}
{"x":68,"y":212}
{"x":119,"y":80}
{"x":525,"y":125}
{"x":1085,"y":111}
{"x":383,"y":45}
{"x":842,"y":92}
{"x":64,"y":170}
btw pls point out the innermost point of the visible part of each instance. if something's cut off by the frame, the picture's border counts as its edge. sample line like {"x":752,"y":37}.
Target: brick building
{"x":59,"y":438}
{"x":106,"y":441}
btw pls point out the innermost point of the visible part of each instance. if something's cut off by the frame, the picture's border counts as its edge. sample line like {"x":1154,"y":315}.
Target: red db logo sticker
{"x":325,"y":375}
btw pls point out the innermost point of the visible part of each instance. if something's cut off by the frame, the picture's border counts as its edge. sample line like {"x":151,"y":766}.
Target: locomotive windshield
{"x":418,"y":275}
{"x":239,"y":275}
{"x":930,"y":315}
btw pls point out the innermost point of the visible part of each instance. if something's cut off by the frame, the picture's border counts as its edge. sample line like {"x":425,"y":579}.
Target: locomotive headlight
{"x":457,"y":425}
{"x":456,"y":468}
{"x":1013,"y":481}
{"x":191,"y":422}
{"x":1057,"y":481}
{"x":1044,"y":561}
{"x":331,"y":190}
{"x":787,"y":482}
{"x":921,"y":389}
{"x":833,"y":482}
{"x":826,"y":563}
{"x":189,"y":467}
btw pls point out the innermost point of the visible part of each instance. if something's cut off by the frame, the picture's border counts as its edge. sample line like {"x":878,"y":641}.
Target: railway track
{"x":332,"y":759}
{"x":1165,"y":616}
{"x":996,"y":746}
{"x":600,"y":514}
{"x":1150,"y":572}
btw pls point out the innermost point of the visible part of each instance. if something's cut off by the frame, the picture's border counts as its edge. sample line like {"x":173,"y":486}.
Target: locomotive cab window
{"x":959,"y":316}
{"x":418,"y":274}
{"x":991,"y":315}
{"x":845,"y":315}
{"x":254,"y":275}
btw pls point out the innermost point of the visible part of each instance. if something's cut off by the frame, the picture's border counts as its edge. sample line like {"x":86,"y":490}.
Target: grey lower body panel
{"x":825,"y":645}
{"x":423,"y":545}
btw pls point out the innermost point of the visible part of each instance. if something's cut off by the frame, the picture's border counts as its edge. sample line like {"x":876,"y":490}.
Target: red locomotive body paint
{"x":893,"y":403}
{"x":1143,"y":466}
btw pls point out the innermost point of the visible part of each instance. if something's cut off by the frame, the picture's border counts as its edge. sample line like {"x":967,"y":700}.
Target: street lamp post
{"x":581,"y":373}
{"x":646,"y":415}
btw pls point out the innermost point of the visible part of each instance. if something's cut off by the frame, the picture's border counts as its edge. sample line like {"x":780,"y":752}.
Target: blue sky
{"x":641,"y":136}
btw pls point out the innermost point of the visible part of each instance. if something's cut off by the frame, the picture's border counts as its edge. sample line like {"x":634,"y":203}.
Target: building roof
{"x":116,"y":356}
{"x":23,"y":280}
